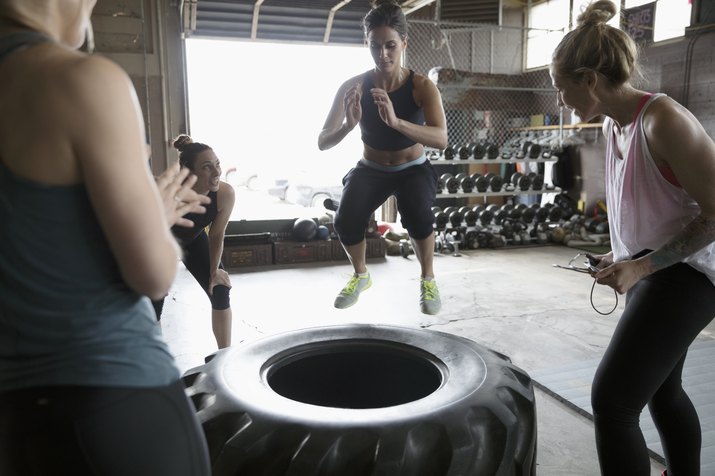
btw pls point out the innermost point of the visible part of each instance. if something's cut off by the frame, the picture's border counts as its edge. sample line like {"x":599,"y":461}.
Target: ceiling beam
{"x":331,"y":17}
{"x":189,"y":16}
{"x":411,"y":5}
{"x":254,"y":23}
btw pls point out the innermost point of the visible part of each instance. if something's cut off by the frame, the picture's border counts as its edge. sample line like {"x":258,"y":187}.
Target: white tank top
{"x":645,"y":210}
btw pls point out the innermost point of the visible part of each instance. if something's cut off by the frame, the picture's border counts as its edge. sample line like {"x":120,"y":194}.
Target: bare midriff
{"x":391,"y":158}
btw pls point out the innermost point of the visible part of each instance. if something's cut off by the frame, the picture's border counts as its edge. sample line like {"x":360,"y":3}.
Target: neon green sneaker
{"x":350,"y":293}
{"x":429,"y":297}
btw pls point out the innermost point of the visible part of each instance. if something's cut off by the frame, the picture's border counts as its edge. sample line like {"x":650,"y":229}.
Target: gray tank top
{"x":66,"y":316}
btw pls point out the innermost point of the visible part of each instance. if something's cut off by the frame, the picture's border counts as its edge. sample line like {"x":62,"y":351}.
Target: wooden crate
{"x":289,"y":252}
{"x":375,"y":248}
{"x":237,"y":256}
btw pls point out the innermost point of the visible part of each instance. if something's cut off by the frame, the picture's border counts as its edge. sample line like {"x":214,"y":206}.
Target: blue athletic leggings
{"x":197,"y":261}
{"x":98,"y":431}
{"x":366,"y":188}
{"x":643,"y":365}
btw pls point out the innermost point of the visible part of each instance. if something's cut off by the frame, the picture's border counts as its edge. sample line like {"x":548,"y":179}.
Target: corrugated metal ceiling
{"x":310,"y":20}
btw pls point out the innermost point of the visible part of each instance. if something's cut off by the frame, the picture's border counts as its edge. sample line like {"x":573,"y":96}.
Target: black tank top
{"x":19,"y":41}
{"x":201,"y":220}
{"x":375,"y":132}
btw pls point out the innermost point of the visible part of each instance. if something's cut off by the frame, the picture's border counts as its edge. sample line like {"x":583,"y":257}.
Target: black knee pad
{"x":220,"y":299}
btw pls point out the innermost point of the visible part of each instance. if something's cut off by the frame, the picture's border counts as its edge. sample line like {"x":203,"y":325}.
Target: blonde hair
{"x":596,"y":46}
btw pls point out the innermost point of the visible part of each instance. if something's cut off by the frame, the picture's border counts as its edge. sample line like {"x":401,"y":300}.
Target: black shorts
{"x":366,"y":188}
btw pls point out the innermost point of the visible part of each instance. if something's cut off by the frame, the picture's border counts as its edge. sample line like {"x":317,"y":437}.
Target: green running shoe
{"x":350,"y":293}
{"x":429,"y":297}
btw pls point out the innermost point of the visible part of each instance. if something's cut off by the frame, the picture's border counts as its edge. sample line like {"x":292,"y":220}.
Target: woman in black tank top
{"x":201,"y":250}
{"x":399,"y":113}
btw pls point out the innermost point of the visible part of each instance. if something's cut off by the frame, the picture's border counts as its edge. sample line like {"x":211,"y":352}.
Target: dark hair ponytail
{"x":188,"y":150}
{"x":385,"y":13}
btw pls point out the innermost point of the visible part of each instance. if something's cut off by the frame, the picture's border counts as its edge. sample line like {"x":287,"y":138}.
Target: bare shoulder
{"x":351,"y":82}
{"x":87,"y":75}
{"x":226,"y":194}
{"x":666,"y":116}
{"x":425,"y":91}
{"x":423,"y":82}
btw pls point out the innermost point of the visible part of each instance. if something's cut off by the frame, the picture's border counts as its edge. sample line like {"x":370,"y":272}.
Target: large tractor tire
{"x":359,"y":400}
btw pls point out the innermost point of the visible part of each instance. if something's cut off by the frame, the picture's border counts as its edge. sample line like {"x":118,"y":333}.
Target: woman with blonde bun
{"x":87,"y":384}
{"x":660,"y":167}
{"x":202,"y":250}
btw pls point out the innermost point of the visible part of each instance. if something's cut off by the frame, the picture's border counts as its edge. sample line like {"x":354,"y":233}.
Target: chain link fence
{"x":487,"y":95}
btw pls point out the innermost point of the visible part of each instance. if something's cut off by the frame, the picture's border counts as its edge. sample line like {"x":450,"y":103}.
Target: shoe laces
{"x":429,"y":290}
{"x":352,"y":285}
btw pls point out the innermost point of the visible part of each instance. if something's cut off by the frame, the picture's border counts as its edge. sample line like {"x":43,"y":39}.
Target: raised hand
{"x":351,"y":102}
{"x":178,"y":196}
{"x":384,"y":106}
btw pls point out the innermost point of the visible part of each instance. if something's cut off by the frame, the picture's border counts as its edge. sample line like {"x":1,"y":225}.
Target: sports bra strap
{"x":19,"y":41}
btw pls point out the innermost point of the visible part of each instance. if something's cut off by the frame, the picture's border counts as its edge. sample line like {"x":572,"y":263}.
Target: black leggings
{"x":642,"y":366}
{"x":197,"y":261}
{"x":99,"y":431}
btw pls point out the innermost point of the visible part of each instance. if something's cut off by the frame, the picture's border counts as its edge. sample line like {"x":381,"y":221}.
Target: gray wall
{"x":685,"y":70}
{"x":143,"y":36}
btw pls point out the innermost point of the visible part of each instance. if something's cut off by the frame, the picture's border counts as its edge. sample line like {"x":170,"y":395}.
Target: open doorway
{"x":260,"y":106}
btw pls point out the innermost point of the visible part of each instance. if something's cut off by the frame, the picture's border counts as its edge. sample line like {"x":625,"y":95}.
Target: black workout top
{"x":19,"y":41}
{"x":201,"y":220}
{"x":375,"y":132}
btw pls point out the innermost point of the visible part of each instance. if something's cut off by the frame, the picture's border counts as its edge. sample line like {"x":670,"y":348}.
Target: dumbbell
{"x":440,"y":220}
{"x":470,"y":216}
{"x":517,"y":212}
{"x":492,"y":151}
{"x":449,"y":210}
{"x":465,"y":182}
{"x":436,"y":209}
{"x":531,"y":150}
{"x":520,"y":181}
{"x":449,"y":152}
{"x":555,"y":213}
{"x":481,"y":183}
{"x":498,"y":213}
{"x":464,"y":152}
{"x":478,"y":151}
{"x":542,"y":214}
{"x":528,"y":214}
{"x":537,"y":181}
{"x":484,"y":216}
{"x":495,"y":181}
{"x":451,"y":184}
{"x":455,"y":218}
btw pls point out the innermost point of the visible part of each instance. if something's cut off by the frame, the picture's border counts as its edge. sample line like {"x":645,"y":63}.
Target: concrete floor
{"x":511,"y":300}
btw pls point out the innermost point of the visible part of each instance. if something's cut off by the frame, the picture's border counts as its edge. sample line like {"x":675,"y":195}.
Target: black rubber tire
{"x":365,"y":400}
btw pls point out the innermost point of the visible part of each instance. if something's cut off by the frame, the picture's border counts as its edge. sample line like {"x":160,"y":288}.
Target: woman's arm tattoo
{"x":696,"y":235}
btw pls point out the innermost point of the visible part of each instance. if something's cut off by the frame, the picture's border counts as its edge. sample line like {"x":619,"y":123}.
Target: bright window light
{"x":671,"y":19}
{"x":541,"y":42}
{"x":261,"y":106}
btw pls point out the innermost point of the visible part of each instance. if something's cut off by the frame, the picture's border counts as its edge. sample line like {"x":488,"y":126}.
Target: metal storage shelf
{"x":503,"y":193}
{"x":456,"y":161}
